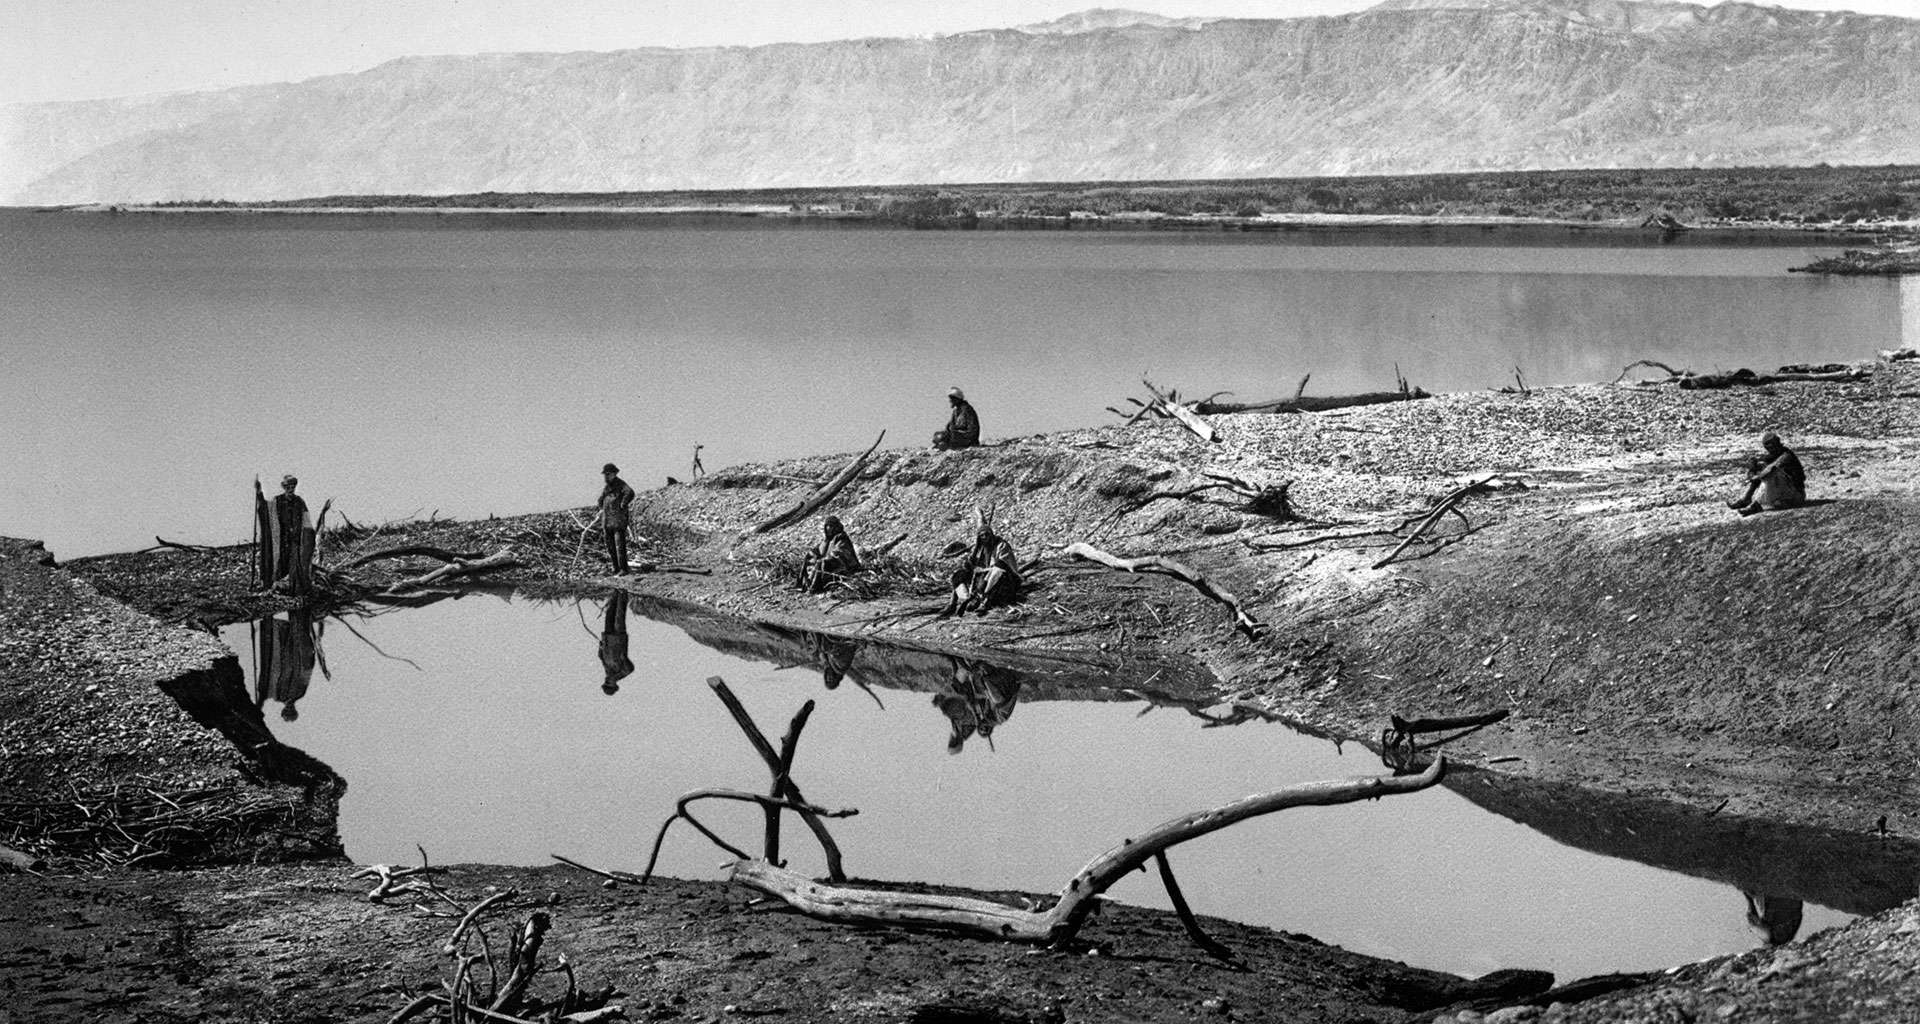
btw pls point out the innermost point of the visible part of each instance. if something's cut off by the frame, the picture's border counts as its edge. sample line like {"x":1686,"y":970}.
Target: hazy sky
{"x":83,"y":49}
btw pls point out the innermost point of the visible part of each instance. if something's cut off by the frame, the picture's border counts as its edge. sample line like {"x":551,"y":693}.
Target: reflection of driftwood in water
{"x":812,"y":502}
{"x":1060,"y":923}
{"x":1400,"y":741}
{"x":1168,"y":567}
{"x":1855,"y":872}
{"x":895,"y":665}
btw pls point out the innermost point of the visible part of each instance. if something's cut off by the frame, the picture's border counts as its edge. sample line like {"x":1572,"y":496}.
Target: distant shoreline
{"x":1439,"y":227}
{"x":1663,"y":202}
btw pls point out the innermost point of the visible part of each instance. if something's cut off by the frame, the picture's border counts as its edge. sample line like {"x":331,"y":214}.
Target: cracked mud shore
{"x":1737,"y":675}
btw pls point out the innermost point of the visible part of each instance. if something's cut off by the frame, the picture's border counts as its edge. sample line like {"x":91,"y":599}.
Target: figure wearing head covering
{"x":834,"y":558}
{"x":289,"y":518}
{"x":615,"y":496}
{"x":990,"y":575}
{"x":613,"y":644}
{"x":963,"y":424}
{"x":1775,"y":479}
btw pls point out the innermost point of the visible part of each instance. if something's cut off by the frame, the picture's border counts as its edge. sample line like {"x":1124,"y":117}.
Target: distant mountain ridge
{"x":1408,"y":86}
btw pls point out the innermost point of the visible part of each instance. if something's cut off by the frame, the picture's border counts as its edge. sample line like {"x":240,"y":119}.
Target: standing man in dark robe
{"x":614,"y":499}
{"x":963,"y":425}
{"x":289,"y":522}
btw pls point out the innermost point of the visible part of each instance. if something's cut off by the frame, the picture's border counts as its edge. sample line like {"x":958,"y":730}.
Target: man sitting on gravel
{"x":1775,"y":479}
{"x":963,"y":425}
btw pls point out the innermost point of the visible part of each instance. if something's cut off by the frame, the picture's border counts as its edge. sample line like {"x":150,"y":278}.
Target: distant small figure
{"x":1775,"y":479}
{"x":698,"y":470}
{"x":833,"y":559}
{"x":963,"y":425}
{"x":613,"y":644}
{"x":990,"y":576}
{"x":614,"y":499}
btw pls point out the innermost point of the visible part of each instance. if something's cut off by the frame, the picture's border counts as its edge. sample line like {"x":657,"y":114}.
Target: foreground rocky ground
{"x":1646,"y":642}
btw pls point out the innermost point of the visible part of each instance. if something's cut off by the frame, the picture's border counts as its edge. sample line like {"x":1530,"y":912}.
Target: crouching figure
{"x":830,"y":561}
{"x":990,"y":576}
{"x":1775,"y":479}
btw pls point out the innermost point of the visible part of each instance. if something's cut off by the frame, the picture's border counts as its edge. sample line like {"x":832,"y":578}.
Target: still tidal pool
{"x":490,"y":729}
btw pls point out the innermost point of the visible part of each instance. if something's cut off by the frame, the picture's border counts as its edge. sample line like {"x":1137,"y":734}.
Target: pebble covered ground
{"x":1608,"y":495}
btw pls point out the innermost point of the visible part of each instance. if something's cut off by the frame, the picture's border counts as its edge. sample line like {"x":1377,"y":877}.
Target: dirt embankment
{"x":1647,"y":641}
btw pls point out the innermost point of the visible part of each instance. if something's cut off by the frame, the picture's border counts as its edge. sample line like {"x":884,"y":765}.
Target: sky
{"x":87,"y":49}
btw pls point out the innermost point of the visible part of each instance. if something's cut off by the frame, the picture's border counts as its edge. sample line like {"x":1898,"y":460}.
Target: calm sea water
{"x":155,"y":365}
{"x":495,"y":741}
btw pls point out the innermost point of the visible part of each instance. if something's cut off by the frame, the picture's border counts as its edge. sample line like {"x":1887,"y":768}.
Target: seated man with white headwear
{"x":963,"y":425}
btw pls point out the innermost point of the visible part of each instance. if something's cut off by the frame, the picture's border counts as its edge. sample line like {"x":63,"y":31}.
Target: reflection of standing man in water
{"x":613,"y":644}
{"x":980,"y":697}
{"x":1777,"y":917}
{"x":288,"y":647}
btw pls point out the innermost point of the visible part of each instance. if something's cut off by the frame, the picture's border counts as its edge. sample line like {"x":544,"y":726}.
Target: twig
{"x":1432,"y":517}
{"x":453,"y":941}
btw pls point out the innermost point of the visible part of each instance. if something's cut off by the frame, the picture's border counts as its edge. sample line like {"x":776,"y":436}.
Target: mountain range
{"x":1408,"y":86}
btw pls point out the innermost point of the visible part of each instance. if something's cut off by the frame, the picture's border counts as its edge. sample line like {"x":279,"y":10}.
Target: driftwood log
{"x":505,"y":558}
{"x":1168,"y":567}
{"x":1060,"y":923}
{"x":1311,"y":403}
{"x":1691,"y":381}
{"x":1271,"y":501}
{"x":1168,"y":404}
{"x":824,"y":493}
{"x":410,"y":551}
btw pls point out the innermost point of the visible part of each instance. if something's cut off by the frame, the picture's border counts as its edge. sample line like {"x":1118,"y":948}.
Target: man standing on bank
{"x":614,"y":499}
{"x":963,"y":425}
{"x":289,"y":523}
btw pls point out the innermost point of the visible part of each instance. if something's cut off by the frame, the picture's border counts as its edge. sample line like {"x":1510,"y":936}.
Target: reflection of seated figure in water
{"x":834,"y":655}
{"x":613,"y":644}
{"x":287,"y":648}
{"x":1775,"y":479}
{"x":1777,"y":917}
{"x":830,"y":561}
{"x":979,"y":699}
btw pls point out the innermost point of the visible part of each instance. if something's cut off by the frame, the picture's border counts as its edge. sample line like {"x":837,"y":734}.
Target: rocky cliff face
{"x":1409,"y":86}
